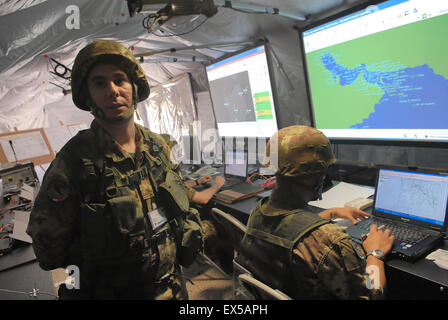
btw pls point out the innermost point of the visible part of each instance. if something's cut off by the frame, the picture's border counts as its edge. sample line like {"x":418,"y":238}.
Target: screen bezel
{"x":348,"y":140}
{"x":271,"y":77}
{"x":381,"y":214}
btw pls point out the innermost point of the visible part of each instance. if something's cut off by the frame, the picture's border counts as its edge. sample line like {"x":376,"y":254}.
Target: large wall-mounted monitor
{"x":381,"y":72}
{"x":242,"y":94}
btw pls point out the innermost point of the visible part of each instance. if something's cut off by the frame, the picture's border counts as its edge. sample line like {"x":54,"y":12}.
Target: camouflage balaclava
{"x":105,"y":51}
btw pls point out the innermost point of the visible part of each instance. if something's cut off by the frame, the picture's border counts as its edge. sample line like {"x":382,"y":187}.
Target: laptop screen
{"x":417,"y":196}
{"x":235,"y":163}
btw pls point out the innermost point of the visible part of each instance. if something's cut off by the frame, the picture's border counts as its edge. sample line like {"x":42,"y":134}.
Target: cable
{"x":271,"y":182}
{"x":179,"y":34}
{"x":268,"y":183}
{"x":34,"y":293}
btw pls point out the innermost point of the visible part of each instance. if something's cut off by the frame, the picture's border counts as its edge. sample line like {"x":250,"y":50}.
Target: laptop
{"x":413,"y":205}
{"x":235,"y":167}
{"x":236,"y":170}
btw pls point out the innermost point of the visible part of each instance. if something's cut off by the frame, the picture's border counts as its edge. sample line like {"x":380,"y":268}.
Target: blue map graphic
{"x":414,"y":98}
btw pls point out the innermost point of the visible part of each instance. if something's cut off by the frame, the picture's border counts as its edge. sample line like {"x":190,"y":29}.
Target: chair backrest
{"x":260,"y":290}
{"x":234,"y":228}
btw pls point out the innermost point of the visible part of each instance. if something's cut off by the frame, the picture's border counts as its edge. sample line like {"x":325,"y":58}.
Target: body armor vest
{"x":268,"y":244}
{"x":115,"y":236}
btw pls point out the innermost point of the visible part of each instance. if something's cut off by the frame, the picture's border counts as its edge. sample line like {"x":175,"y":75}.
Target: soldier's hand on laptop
{"x":378,"y":239}
{"x":348,"y":213}
{"x":204,"y":179}
{"x":219,"y":181}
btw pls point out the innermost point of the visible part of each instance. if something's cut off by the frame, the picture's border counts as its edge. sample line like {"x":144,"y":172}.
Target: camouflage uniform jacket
{"x":99,"y":222}
{"x":322,"y":263}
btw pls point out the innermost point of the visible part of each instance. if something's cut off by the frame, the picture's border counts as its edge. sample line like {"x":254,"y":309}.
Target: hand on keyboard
{"x":219,"y":181}
{"x":349,"y":213}
{"x":204,"y":179}
{"x":377,"y":239}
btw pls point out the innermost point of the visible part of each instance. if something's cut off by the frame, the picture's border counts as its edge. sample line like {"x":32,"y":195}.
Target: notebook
{"x":413,"y":204}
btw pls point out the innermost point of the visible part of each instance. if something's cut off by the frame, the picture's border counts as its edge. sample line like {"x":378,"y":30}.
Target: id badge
{"x":157,"y":217}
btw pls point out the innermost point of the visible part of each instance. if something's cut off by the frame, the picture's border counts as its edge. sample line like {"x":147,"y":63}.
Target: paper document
{"x":440,"y":258}
{"x":20,"y":221}
{"x":343,"y":192}
{"x":27,"y":192}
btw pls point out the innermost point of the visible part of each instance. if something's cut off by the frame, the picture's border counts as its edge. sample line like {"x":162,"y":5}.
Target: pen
{"x":364,"y":236}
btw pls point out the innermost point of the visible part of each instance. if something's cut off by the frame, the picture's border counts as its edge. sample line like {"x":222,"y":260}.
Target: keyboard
{"x":402,"y":233}
{"x":231,"y":182}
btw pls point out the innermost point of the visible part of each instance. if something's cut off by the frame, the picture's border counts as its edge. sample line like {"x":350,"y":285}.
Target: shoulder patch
{"x":58,"y":188}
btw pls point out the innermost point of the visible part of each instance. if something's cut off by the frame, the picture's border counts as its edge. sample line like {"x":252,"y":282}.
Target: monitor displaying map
{"x":413,"y":195}
{"x":241,"y":93}
{"x":381,"y":73}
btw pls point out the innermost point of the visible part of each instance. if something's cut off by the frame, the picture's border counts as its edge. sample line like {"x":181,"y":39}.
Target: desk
{"x":240,"y":209}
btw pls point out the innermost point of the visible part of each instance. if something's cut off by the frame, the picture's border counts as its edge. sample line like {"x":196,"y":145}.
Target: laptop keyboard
{"x":230,"y":183}
{"x":402,"y":233}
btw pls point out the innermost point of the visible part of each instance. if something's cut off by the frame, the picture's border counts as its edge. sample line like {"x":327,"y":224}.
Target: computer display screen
{"x":235,"y":163}
{"x":413,"y":195}
{"x":381,"y":73}
{"x":241,"y":94}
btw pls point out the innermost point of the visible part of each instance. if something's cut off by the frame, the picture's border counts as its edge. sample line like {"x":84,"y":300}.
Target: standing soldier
{"x":300,"y":252}
{"x":110,"y":203}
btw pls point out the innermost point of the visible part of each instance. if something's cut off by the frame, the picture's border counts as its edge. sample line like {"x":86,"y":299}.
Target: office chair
{"x":235,"y":230}
{"x":260,"y":290}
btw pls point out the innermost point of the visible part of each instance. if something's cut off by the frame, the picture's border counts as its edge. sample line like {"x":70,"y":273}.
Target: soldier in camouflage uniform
{"x":203,"y":196}
{"x":301,"y":253}
{"x":111,"y":202}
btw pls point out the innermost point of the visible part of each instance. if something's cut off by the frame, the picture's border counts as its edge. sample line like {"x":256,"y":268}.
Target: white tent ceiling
{"x":32,"y":32}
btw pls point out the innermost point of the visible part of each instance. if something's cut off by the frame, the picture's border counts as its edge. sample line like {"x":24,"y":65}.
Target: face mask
{"x":317,"y":193}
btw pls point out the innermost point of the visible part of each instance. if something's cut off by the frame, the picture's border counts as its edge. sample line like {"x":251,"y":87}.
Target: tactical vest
{"x":268,"y":244}
{"x":113,"y":233}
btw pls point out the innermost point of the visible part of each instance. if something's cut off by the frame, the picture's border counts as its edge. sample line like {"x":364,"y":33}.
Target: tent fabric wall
{"x":170,"y":108}
{"x":33,"y":31}
{"x":42,"y":34}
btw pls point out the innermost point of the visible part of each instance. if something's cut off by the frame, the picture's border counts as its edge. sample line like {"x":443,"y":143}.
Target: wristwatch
{"x":376,"y":253}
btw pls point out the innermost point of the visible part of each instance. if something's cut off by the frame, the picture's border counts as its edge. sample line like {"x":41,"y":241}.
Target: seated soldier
{"x":302,"y":253}
{"x":203,"y":196}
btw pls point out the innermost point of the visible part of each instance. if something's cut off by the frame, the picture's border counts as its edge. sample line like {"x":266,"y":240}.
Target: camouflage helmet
{"x":109,"y":52}
{"x":302,"y":150}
